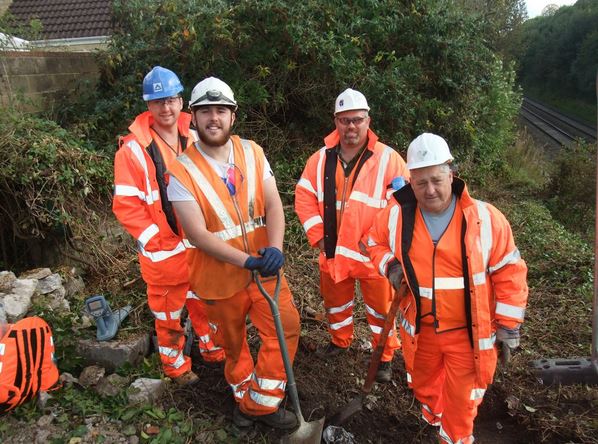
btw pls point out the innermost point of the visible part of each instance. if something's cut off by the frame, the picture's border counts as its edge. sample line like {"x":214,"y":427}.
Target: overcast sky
{"x":534,"y":7}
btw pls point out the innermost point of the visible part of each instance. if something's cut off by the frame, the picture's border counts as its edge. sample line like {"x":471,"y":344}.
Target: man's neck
{"x":220,"y":153}
{"x":170,"y":134}
{"x":348,"y":154}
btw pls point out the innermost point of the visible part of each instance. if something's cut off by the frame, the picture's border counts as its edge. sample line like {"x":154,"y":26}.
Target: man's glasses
{"x":234,"y":177}
{"x":169,"y":101}
{"x":346,"y":121}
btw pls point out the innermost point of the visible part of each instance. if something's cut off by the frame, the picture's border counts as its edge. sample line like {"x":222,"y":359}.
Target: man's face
{"x":432,"y":187}
{"x":214,"y":124}
{"x":352,"y":127}
{"x":166,"y":111}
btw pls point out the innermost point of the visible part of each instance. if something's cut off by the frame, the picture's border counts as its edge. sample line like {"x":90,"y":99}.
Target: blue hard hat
{"x":160,"y":83}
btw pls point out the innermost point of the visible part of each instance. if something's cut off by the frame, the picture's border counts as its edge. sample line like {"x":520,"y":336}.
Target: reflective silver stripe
{"x":449,"y":283}
{"x":304,"y":183}
{"x":138,"y":153}
{"x":382,"y":166}
{"x":52,"y":341}
{"x":188,"y":244}
{"x":319,"y":171}
{"x":409,"y":329}
{"x":160,"y":315}
{"x":371,"y":242}
{"x":384,"y":262}
{"x":485,"y":231}
{"x":1,"y":366}
{"x":351,"y":254}
{"x":373,"y":312}
{"x":344,"y":323}
{"x":512,"y":258}
{"x":393,"y":220}
{"x":339,"y":204}
{"x":236,"y":231}
{"x":157,"y":256}
{"x":2,"y":349}
{"x":477,"y":393}
{"x":334,"y":310}
{"x":251,"y":174}
{"x":147,"y":234}
{"x":444,"y":436}
{"x":479,"y":278}
{"x":426,"y":292}
{"x":312,"y":222}
{"x":208,"y":191}
{"x":204,"y":339}
{"x":191,"y":295}
{"x":377,"y":330}
{"x":511,"y":311}
{"x":130,"y":191}
{"x":237,"y":392}
{"x":176,"y":314}
{"x":169,"y":352}
{"x":270,"y":384}
{"x":487,"y":343}
{"x":409,"y":377}
{"x":180,"y":360}
{"x":367,"y":200}
{"x":265,"y":400}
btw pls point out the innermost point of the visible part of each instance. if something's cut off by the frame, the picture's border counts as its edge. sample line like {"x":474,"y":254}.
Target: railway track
{"x":562,"y":129}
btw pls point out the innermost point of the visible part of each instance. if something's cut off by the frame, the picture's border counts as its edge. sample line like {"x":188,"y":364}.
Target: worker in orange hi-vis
{"x":467,"y":287}
{"x":342,"y":188}
{"x":226,"y":198}
{"x":141,"y":205}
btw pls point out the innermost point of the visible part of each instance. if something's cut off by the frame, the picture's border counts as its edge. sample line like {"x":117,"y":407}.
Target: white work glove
{"x":507,"y":340}
{"x":394,"y":273}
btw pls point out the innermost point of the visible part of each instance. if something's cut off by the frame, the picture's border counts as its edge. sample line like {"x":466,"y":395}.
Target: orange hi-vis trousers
{"x":444,"y":381}
{"x":339,"y":301}
{"x":260,"y":388}
{"x":166,"y":303}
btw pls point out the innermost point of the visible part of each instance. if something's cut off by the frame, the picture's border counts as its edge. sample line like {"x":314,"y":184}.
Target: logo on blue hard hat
{"x":157,"y":87}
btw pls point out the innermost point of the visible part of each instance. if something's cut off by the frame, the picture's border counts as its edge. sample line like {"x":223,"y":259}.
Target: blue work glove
{"x":254,"y":263}
{"x":273,"y":259}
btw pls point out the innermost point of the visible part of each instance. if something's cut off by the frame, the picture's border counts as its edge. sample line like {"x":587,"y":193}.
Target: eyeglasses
{"x":213,"y":95}
{"x":234,"y":177}
{"x":169,"y":101}
{"x":346,"y":121}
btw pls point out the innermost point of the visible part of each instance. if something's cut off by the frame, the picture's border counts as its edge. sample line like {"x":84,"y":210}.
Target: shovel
{"x":356,"y":404}
{"x":308,"y":432}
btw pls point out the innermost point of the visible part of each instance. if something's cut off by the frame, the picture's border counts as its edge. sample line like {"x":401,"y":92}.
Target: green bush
{"x":424,"y":66}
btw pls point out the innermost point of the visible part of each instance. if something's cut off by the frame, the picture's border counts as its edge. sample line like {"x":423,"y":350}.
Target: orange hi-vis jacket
{"x":142,"y":206}
{"x":27,"y":363}
{"x":487,"y":280}
{"x":239,"y":220}
{"x":341,"y":209}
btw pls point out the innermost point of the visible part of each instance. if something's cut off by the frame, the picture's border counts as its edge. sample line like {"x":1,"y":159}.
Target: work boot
{"x":186,"y":379}
{"x":384,"y":373}
{"x":330,"y":351}
{"x":280,"y":419}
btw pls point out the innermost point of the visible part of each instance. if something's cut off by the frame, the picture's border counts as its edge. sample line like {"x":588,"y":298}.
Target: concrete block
{"x":145,"y":390}
{"x":113,"y":354}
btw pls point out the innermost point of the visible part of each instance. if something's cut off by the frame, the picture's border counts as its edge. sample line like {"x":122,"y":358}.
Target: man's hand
{"x":395,"y":273}
{"x":507,"y":340}
{"x":253,"y":263}
{"x":273,"y":260}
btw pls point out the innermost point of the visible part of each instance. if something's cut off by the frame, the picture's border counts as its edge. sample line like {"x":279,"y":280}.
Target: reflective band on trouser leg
{"x":210,"y":352}
{"x":377,"y":295}
{"x":166,"y":303}
{"x":266,"y":389}
{"x":338,"y":301}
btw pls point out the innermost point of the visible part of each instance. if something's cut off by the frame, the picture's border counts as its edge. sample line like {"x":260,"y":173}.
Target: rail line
{"x":563,"y":129}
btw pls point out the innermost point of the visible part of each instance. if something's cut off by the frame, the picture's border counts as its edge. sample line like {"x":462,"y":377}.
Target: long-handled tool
{"x":308,"y":432}
{"x":356,"y":404}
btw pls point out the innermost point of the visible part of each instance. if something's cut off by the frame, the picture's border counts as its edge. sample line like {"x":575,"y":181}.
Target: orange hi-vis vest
{"x":27,"y":363}
{"x":239,"y":220}
{"x":440,"y":274}
{"x":341,"y":210}
{"x":141,"y":204}
{"x":494,"y":275}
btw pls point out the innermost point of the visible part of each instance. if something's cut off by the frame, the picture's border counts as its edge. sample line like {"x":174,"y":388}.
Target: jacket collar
{"x":142,"y":123}
{"x":333,"y":139}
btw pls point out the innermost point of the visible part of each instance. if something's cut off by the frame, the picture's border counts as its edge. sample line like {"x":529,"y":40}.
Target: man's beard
{"x":211,"y":141}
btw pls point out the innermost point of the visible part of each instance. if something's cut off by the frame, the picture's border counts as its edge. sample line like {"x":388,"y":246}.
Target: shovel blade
{"x":307,"y":433}
{"x":349,"y":410}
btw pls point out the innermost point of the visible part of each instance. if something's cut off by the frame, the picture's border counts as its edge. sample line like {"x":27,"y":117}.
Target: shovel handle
{"x":388,"y":323}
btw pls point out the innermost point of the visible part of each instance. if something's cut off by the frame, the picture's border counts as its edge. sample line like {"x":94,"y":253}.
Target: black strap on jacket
{"x":158,"y":160}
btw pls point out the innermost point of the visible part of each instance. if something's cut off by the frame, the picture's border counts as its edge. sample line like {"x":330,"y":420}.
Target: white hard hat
{"x":427,"y":150}
{"x":349,"y":100}
{"x":212,"y":91}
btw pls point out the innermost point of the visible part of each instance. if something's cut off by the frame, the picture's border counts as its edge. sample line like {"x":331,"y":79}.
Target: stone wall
{"x":35,"y":80}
